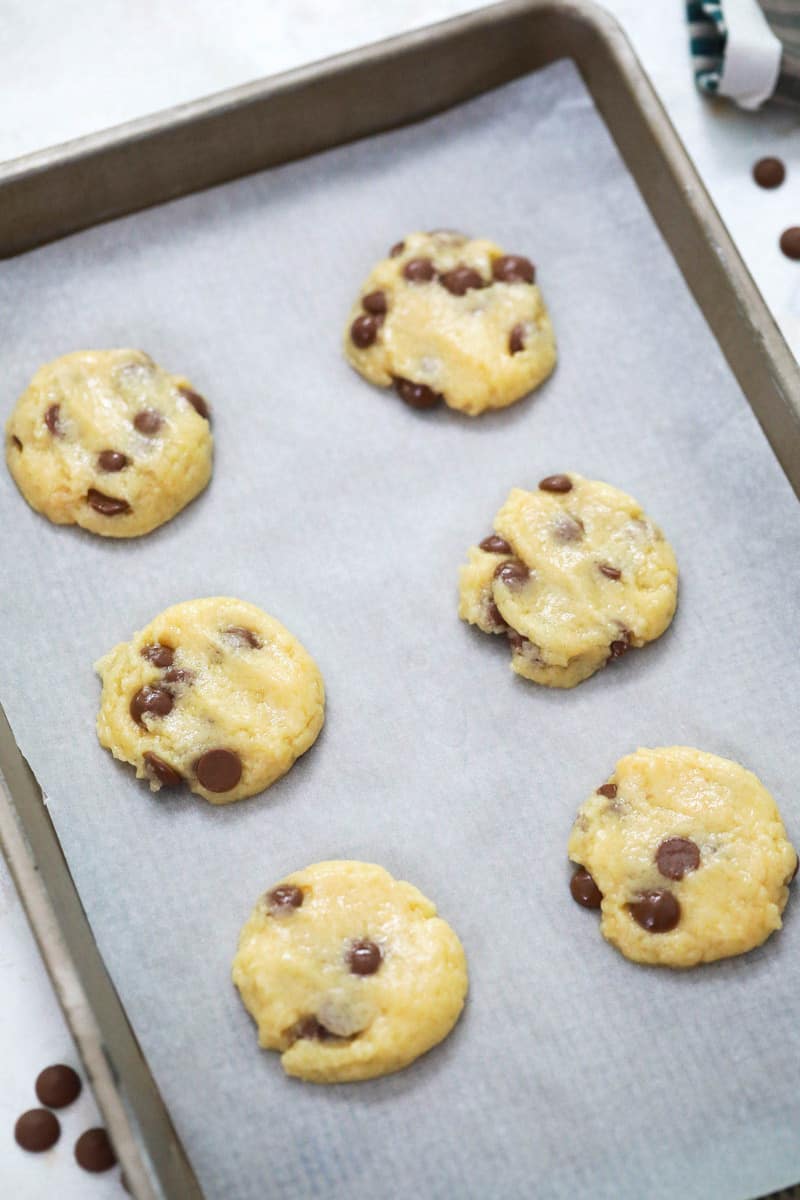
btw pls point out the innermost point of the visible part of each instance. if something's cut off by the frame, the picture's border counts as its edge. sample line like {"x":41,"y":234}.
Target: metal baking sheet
{"x":346,"y":516}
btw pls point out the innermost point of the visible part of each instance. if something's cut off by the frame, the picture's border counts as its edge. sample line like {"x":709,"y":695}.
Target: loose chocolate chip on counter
{"x":364,"y":330}
{"x":37,"y":1130}
{"x":556,"y":483}
{"x":158,"y":654}
{"x":111,"y":460}
{"x":676,"y":856}
{"x":245,"y":637}
{"x":610,"y":572}
{"x":166,"y":775}
{"x":621,"y":645}
{"x":568,"y":528}
{"x":285,"y":897}
{"x":154,"y":700}
{"x":513,"y":573}
{"x":219,"y":770}
{"x":197,"y":402}
{"x":513,"y":268}
{"x":461,"y":280}
{"x":609,"y":790}
{"x":148,"y":421}
{"x":769,"y":172}
{"x":94,"y":1152}
{"x":16,"y":441}
{"x":494,"y":544}
{"x":790,"y":241}
{"x":416,"y":395}
{"x":516,"y":339}
{"x":374,"y":302}
{"x":51,"y":420}
{"x":396,"y":249}
{"x":108,"y":506}
{"x":584,"y":889}
{"x":58,"y":1086}
{"x":364,"y":958}
{"x":657,"y":912}
{"x":419,"y":270}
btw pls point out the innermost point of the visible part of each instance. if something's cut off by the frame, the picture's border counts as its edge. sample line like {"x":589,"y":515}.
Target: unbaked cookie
{"x":574,"y":575}
{"x":107,"y":440}
{"x":448,"y":318}
{"x":348,"y":972}
{"x":686,"y":855}
{"x":214,"y":693}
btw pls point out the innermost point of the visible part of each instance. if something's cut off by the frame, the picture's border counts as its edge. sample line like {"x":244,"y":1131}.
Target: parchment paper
{"x":572,"y":1072}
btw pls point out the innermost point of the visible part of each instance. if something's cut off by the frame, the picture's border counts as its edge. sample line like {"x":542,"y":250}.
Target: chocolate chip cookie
{"x":213,"y":693}
{"x":574,"y":575}
{"x":453,"y":319}
{"x":686,"y":856}
{"x":108,"y":440}
{"x":348,"y":972}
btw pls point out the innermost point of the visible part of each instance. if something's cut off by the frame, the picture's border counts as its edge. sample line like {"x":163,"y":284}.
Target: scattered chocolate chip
{"x":556,"y":483}
{"x":790,"y":241}
{"x":16,"y":441}
{"x":568,"y":528}
{"x":584,"y":889}
{"x":285,"y":897}
{"x":58,"y":1086}
{"x":154,"y":700}
{"x":364,"y":330}
{"x":179,"y":675}
{"x":158,"y":654}
{"x":310,"y":1027}
{"x":513,"y":268}
{"x":461,"y":280}
{"x":164,"y":773}
{"x":396,"y":249}
{"x":676,"y":856}
{"x":621,"y":645}
{"x":111,"y":460}
{"x":51,"y":420}
{"x":513,"y":573}
{"x":148,"y":421}
{"x":516,"y":339}
{"x":374,"y":302}
{"x":37,"y":1130}
{"x":419,"y":270}
{"x":416,"y":395}
{"x":219,"y":770}
{"x":610,"y":572}
{"x":108,"y":506}
{"x":246,"y":637}
{"x":657,"y":912}
{"x":494,"y":544}
{"x":609,"y":790}
{"x":364,"y":958}
{"x":769,"y":172}
{"x":94,"y":1152}
{"x":197,"y":402}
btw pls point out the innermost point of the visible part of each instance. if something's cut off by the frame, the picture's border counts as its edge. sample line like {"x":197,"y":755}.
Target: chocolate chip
{"x":657,"y":912}
{"x":16,"y":441}
{"x":419,"y":270}
{"x":494,"y":616}
{"x":111,"y":460}
{"x":584,"y":889}
{"x":513,"y":573}
{"x":461,"y":280}
{"x":94,"y":1152}
{"x":610,"y":572}
{"x":154,"y":700}
{"x":568,"y":528}
{"x":513,"y":268}
{"x":494,"y":544}
{"x":108,"y":506}
{"x":621,"y":646}
{"x":516,"y":339}
{"x":676,"y":856}
{"x":246,"y":637}
{"x":609,"y":790}
{"x":285,"y":897}
{"x":164,"y":773}
{"x":197,"y":402}
{"x":556,"y":483}
{"x":37,"y":1130}
{"x":219,"y":770}
{"x":158,"y":654}
{"x":396,"y":249}
{"x":416,"y":395}
{"x":58,"y":1086}
{"x":769,"y":172}
{"x":51,"y":420}
{"x":364,"y":330}
{"x":374,"y":302}
{"x":790,"y":241}
{"x":364,"y":958}
{"x":148,"y":421}
{"x":179,"y":675}
{"x":309,"y":1027}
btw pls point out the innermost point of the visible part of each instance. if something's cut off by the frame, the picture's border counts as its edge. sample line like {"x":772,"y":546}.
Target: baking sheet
{"x":346,"y":515}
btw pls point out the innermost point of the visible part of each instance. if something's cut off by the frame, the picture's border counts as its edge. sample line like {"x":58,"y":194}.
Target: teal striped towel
{"x":748,"y":50}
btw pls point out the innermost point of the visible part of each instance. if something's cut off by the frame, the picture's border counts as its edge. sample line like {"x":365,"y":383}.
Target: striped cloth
{"x":748,"y":50}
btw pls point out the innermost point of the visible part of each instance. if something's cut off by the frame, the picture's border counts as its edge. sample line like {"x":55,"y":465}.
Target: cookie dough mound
{"x":686,"y":855}
{"x":446,"y":317}
{"x":107,"y":440}
{"x":349,"y":973}
{"x":214,"y":693}
{"x":574,"y":575}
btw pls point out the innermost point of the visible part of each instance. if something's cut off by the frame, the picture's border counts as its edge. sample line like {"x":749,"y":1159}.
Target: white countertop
{"x":72,"y":69}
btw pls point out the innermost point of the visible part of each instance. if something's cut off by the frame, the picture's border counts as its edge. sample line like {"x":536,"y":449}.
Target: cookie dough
{"x":446,"y":317}
{"x":107,"y":440}
{"x":214,"y":693}
{"x":574,"y":575}
{"x":686,"y":856}
{"x":348,"y":972}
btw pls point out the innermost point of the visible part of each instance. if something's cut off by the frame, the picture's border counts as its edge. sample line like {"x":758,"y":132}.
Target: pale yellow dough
{"x":456,"y":345}
{"x":732,"y":901}
{"x":262,"y":703}
{"x":91,"y":399}
{"x":569,"y":618}
{"x":292,"y":971}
